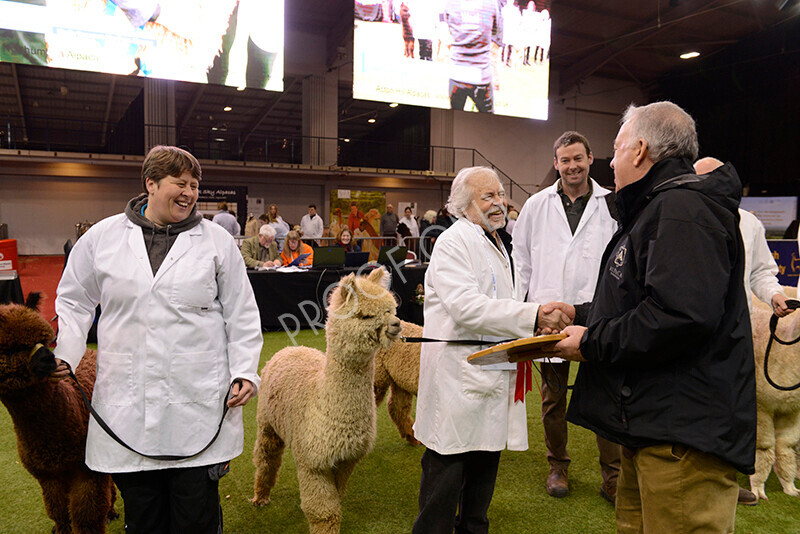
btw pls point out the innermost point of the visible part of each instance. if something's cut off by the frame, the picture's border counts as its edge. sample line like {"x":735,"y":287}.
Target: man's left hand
{"x":241,"y":392}
{"x":570,"y":348}
{"x":779,"y":306}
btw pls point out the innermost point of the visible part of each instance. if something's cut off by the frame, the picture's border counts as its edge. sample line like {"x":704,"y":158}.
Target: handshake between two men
{"x":557,"y":317}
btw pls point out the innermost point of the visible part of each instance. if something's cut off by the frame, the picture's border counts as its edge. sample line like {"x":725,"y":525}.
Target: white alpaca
{"x":322,"y":404}
{"x":778,"y":412}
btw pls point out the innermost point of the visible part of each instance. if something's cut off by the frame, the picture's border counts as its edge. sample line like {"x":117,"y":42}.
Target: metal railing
{"x":86,"y":136}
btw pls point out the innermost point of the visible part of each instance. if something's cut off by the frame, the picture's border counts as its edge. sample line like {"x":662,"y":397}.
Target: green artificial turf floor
{"x":382,"y":493}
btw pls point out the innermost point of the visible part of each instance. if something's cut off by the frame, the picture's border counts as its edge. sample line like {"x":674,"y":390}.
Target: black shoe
{"x":747,"y":498}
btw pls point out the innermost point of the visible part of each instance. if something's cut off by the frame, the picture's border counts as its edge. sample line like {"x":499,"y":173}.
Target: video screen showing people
{"x":229,"y":42}
{"x":489,"y":56}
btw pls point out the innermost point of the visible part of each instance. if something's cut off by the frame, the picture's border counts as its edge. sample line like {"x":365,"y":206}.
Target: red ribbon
{"x":524,"y":380}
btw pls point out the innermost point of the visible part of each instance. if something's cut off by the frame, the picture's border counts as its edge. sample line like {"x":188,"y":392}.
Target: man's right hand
{"x":61,"y":371}
{"x":554,"y":317}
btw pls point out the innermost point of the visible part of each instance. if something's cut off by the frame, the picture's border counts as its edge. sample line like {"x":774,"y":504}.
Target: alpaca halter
{"x":35,"y":348}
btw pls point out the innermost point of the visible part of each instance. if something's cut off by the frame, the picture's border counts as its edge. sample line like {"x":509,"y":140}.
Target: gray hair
{"x":463,"y":188}
{"x":430,"y":216}
{"x":669,"y":131}
{"x":267,"y":230}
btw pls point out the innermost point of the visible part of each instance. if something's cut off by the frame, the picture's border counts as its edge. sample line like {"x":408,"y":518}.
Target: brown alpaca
{"x":51,"y":421}
{"x":397,"y":371}
{"x":322,"y":404}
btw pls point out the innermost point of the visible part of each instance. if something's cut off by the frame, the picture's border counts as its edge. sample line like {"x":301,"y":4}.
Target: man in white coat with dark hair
{"x":467,"y":414}
{"x":559,"y":239}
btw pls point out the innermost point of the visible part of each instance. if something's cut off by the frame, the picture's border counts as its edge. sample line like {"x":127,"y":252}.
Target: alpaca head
{"x":22,"y":362}
{"x":362,"y":311}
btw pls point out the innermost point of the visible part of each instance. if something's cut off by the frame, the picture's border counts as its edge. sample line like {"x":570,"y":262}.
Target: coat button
{"x":625,"y":391}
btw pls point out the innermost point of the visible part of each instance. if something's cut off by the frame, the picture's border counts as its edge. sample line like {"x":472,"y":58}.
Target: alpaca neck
{"x":44,"y":405}
{"x":348,"y":370}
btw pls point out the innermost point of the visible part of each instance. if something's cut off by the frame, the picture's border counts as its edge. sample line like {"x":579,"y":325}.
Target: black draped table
{"x":10,"y":288}
{"x":292,"y":301}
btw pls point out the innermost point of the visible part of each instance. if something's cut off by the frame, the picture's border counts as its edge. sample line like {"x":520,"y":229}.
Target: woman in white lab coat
{"x":467,"y":414}
{"x":179,"y":326}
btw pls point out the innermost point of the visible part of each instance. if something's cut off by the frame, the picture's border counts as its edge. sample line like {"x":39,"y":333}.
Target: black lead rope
{"x":165,"y":457}
{"x":454,"y":341}
{"x":773,"y":324}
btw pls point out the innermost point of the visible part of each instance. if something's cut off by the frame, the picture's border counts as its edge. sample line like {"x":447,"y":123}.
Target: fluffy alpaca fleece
{"x":397,"y":371}
{"x":322,"y":404}
{"x":50,"y":421}
{"x":778,"y":413}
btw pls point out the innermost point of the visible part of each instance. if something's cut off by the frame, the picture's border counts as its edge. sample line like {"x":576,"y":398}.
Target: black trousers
{"x":481,"y":94}
{"x":455,"y":492}
{"x":170,"y":501}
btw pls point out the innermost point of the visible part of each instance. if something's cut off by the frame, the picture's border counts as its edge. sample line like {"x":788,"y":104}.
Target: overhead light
{"x":227,"y":108}
{"x":219,"y":140}
{"x":346,"y":139}
{"x":371,"y":120}
{"x":393,"y":105}
{"x":213,"y":128}
{"x":690,"y":55}
{"x":241,"y":88}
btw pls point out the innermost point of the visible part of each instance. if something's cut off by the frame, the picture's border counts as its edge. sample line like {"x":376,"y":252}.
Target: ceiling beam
{"x":266,"y":111}
{"x":611,"y":48}
{"x":198,"y":94}
{"x":109,"y":100}
{"x":19,"y":101}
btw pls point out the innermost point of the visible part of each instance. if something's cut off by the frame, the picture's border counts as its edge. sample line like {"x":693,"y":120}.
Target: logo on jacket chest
{"x":618,"y":262}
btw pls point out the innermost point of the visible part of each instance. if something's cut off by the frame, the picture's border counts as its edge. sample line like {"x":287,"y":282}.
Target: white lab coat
{"x":469,"y":294}
{"x":760,"y":269}
{"x":553,"y":263}
{"x":169,"y":345}
{"x":311,"y":228}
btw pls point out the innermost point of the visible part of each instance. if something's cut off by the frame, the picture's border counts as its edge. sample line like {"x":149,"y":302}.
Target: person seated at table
{"x":293,"y":247}
{"x":345,"y":240}
{"x":261,"y":250}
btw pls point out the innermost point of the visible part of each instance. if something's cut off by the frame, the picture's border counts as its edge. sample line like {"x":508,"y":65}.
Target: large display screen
{"x":775,"y":213}
{"x":230,"y":42}
{"x":471,"y":55}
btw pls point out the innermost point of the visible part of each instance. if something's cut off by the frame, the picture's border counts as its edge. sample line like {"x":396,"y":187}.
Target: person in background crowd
{"x":251,"y":226}
{"x":311,"y":225}
{"x":281,"y":227}
{"x":261,"y":250}
{"x":355,"y":217}
{"x":293,"y":248}
{"x":345,"y":240}
{"x":559,"y":239}
{"x":513,"y":214}
{"x":667,"y":353}
{"x":467,"y":415}
{"x":410,"y":222}
{"x":226,"y":219}
{"x":179,"y":329}
{"x":426,"y":236}
{"x":389,"y":222}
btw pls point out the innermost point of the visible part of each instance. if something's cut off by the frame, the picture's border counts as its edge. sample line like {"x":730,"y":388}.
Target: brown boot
{"x":557,"y":485}
{"x":748,"y":498}
{"x":608,"y":491}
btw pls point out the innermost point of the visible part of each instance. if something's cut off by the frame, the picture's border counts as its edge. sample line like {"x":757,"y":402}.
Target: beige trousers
{"x":676,"y":489}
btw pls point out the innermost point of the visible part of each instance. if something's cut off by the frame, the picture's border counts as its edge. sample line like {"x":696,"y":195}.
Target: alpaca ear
{"x":380,"y":276}
{"x":32,"y":302}
{"x":347,"y":288}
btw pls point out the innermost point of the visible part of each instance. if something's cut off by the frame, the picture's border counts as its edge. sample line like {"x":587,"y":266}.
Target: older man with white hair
{"x":467,"y":414}
{"x":667,"y":354}
{"x":261,"y":251}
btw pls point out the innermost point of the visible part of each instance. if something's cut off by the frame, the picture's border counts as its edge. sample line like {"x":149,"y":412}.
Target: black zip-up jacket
{"x":669,"y":347}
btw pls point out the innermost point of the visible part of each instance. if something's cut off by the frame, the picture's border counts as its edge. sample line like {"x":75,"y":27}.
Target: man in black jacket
{"x":668,"y":359}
